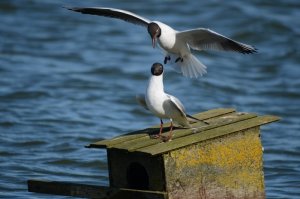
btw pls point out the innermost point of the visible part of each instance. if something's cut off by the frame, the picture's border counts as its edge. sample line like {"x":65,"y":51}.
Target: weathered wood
{"x":209,"y":134}
{"x":224,"y":167}
{"x":146,"y":132}
{"x":135,"y":170}
{"x":220,"y":160}
{"x":91,"y":191}
{"x":138,"y":194}
{"x":146,"y":141}
{"x":67,"y":189}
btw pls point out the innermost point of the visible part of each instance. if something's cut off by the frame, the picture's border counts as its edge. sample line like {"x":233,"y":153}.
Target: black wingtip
{"x":75,"y":9}
{"x":248,"y":50}
{"x":207,"y":123}
{"x":252,"y":51}
{"x":66,"y":7}
{"x":231,"y":45}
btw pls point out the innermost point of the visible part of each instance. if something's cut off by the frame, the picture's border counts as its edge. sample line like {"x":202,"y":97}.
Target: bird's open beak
{"x":153,"y":41}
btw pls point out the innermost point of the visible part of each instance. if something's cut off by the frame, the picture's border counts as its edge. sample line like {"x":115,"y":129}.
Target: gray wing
{"x":205,"y":39}
{"x":141,"y":100}
{"x":113,"y":13}
{"x":177,"y":105}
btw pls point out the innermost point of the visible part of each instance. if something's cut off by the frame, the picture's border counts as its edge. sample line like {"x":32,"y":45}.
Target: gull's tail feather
{"x":193,"y":119}
{"x":189,"y":66}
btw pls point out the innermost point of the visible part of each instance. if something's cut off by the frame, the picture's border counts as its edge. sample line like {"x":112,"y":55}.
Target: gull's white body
{"x":167,"y":39}
{"x":155,"y":97}
{"x":175,"y":46}
{"x":163,"y":105}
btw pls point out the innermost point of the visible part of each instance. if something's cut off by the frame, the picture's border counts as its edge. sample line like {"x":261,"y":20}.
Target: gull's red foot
{"x":179,"y":59}
{"x":167,"y":58}
{"x":166,"y":138}
{"x":156,"y":136}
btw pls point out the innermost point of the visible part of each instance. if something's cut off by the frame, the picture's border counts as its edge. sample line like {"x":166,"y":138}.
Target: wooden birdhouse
{"x":219,"y":160}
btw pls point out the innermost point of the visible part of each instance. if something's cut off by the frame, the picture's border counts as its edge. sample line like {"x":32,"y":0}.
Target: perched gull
{"x":162,"y":104}
{"x":176,"y":45}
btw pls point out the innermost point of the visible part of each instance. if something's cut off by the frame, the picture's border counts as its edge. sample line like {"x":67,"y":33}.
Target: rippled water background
{"x":67,"y":80}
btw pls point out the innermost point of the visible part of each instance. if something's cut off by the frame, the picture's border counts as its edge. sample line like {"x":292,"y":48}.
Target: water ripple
{"x":68,"y":80}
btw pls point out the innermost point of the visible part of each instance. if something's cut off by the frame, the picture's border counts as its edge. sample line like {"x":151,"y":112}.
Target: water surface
{"x":69,"y":79}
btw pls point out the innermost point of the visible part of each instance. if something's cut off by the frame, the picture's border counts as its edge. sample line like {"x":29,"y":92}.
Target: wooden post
{"x":219,"y":160}
{"x":90,"y":191}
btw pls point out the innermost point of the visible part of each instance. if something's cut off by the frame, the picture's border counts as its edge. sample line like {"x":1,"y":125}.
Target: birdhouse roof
{"x":221,"y":121}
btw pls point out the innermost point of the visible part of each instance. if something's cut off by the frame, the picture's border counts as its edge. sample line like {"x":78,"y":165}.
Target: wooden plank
{"x":120,"y":139}
{"x":146,"y":132}
{"x":209,"y":134}
{"x":139,"y":194}
{"x":67,"y":189}
{"x":90,"y":191}
{"x":134,"y":145}
{"x":213,"y":113}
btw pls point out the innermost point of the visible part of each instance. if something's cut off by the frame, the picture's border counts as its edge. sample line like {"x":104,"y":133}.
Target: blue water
{"x":68,"y":79}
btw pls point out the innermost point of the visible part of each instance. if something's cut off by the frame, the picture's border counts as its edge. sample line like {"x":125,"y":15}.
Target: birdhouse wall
{"x":135,"y":170}
{"x":225,"y":167}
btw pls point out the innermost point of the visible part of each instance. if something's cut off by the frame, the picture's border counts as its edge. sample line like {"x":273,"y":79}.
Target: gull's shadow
{"x":152,"y":131}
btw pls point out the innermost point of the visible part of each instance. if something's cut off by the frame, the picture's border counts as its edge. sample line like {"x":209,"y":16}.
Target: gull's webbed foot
{"x":156,"y":136}
{"x":167,"y":58}
{"x":166,"y":138}
{"x":179,"y":59}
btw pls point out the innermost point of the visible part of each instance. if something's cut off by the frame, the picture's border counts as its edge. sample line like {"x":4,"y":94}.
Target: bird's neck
{"x":156,"y":84}
{"x":167,"y":37}
{"x":164,"y":27}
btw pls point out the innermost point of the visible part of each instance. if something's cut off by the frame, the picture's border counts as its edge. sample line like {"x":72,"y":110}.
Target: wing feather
{"x":177,"y":105}
{"x":113,"y":13}
{"x":206,"y":39}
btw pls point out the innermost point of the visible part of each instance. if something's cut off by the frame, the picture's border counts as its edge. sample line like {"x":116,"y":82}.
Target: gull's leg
{"x":179,"y":59}
{"x":168,"y":137}
{"x":160,"y":130}
{"x":167,"y":58}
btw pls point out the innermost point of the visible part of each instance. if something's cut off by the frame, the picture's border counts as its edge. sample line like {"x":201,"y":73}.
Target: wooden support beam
{"x":90,"y":191}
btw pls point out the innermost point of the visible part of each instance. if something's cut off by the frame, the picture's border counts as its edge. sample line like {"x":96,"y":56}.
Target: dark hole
{"x":137,"y":177}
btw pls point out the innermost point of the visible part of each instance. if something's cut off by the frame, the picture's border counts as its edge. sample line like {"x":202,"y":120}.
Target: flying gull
{"x":176,"y":45}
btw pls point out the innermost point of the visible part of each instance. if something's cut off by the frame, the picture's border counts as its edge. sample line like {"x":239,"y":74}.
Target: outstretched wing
{"x":205,"y":39}
{"x":113,"y":13}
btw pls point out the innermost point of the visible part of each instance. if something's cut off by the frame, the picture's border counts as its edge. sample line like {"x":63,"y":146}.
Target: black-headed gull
{"x":176,"y":45}
{"x":163,"y":105}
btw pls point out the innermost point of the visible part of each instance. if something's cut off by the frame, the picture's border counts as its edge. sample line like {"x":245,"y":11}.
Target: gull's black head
{"x":154,"y":31}
{"x":157,"y":69}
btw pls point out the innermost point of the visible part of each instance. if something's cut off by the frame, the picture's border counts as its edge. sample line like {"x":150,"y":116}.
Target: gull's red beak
{"x":153,"y":41}
{"x":154,"y":31}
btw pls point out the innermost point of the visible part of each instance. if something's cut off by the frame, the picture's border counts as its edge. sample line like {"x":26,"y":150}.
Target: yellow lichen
{"x":234,"y":162}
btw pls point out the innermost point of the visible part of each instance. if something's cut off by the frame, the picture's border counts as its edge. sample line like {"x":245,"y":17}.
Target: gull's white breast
{"x":169,"y":42}
{"x":155,"y":97}
{"x":167,"y":37}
